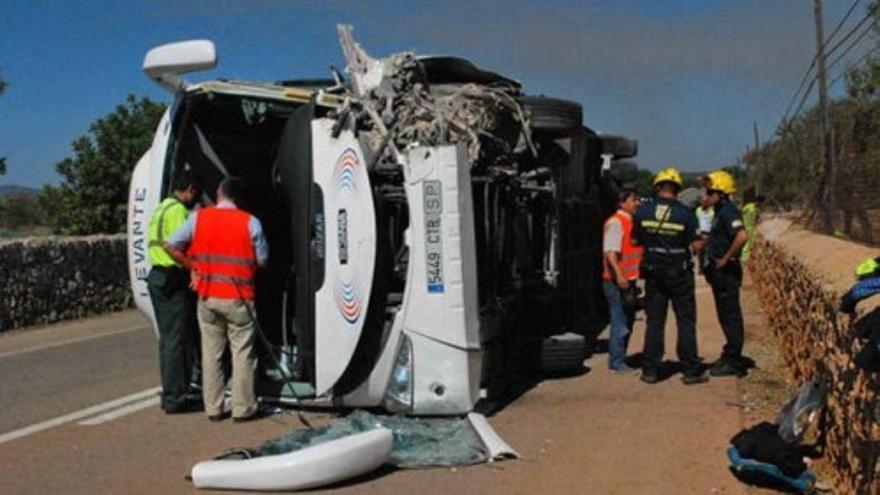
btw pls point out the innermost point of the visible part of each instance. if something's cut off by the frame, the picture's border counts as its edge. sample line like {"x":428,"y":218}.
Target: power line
{"x":813,"y":62}
{"x":853,"y":44}
{"x":855,"y":64}
{"x":840,"y":24}
{"x":800,"y":87}
{"x":836,"y":60}
{"x":858,"y":26}
{"x":837,"y":45}
{"x":804,"y":98}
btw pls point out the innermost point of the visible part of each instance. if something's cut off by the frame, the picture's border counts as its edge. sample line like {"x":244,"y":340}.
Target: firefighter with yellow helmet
{"x":667,"y":230}
{"x":724,"y":272}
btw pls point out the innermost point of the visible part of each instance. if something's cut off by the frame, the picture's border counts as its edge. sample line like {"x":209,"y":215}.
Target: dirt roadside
{"x":829,"y":263}
{"x":833,"y":259}
{"x":607,"y":434}
{"x":595,"y":433}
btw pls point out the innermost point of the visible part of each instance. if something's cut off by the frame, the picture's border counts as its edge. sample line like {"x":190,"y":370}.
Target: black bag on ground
{"x":763,"y":443}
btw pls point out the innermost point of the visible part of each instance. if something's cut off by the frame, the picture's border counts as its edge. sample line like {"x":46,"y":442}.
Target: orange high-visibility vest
{"x":630,"y":255}
{"x":223,"y":254}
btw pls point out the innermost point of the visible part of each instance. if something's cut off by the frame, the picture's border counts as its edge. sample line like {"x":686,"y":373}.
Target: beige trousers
{"x":222,"y":321}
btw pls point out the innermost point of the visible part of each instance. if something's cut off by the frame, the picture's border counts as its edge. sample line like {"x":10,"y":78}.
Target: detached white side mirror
{"x":164,"y":63}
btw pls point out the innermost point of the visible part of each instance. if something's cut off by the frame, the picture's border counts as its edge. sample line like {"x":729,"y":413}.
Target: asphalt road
{"x":81,"y":415}
{"x":65,"y":368}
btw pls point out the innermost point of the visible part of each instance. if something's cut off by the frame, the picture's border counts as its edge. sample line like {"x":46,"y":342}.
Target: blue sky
{"x":685,"y":77}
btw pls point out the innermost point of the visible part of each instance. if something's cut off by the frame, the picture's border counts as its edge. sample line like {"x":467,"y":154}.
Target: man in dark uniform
{"x":173,"y":301}
{"x":667,"y":230}
{"x":723,"y":270}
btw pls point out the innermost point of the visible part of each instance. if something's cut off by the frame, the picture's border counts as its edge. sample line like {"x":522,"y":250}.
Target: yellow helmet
{"x":669,"y":175}
{"x":867,"y":268}
{"x":720,"y":180}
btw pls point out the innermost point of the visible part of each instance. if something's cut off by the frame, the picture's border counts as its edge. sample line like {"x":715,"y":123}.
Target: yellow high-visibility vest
{"x":750,"y":221}
{"x":168,"y":217}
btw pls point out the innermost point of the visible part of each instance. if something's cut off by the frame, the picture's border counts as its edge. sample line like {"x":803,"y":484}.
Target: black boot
{"x":650,"y":376}
{"x":727,"y":367}
{"x":694,"y":379}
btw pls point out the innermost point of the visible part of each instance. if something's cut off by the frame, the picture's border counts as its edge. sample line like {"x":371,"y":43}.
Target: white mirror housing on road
{"x":164,"y":63}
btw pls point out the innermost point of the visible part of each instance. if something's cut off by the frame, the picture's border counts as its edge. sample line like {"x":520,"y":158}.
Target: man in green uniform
{"x":173,"y":301}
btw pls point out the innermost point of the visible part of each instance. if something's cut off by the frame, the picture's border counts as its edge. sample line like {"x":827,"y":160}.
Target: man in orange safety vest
{"x":621,"y":270}
{"x":225,"y":247}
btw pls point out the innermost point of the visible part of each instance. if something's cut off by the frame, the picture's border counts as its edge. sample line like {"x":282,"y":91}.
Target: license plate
{"x":433,"y":207}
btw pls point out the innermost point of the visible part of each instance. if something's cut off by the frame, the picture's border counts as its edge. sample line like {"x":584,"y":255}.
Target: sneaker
{"x":650,"y":377}
{"x":726,"y":368}
{"x":623,"y":369}
{"x":694,"y":379}
{"x":258,"y":414}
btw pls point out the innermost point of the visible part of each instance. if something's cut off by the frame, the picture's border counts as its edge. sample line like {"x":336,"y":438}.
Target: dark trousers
{"x":662,"y":285}
{"x":174,"y":307}
{"x":726,"y":283}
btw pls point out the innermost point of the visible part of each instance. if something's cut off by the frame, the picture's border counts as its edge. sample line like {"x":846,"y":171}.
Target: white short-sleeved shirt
{"x":704,"y":218}
{"x":612,"y":236}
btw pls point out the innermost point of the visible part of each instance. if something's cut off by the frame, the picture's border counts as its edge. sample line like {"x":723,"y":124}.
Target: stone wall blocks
{"x":816,"y":344}
{"x":56,"y":278}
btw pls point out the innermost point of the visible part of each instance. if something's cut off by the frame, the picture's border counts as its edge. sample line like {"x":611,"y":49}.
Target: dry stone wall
{"x":44,"y":280}
{"x":818,"y":343}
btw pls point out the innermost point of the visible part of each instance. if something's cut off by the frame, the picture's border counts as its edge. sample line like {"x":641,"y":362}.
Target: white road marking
{"x":71,"y":341}
{"x":122,"y":411}
{"x":74,"y":416}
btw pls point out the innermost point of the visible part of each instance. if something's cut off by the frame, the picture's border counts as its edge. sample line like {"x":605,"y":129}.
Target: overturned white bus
{"x":429,"y":224}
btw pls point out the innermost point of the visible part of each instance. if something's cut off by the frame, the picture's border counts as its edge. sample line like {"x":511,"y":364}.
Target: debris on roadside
{"x":326,"y":452}
{"x":771,"y":454}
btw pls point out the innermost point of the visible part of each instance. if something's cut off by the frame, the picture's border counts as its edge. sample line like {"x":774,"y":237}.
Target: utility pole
{"x":755,"y":128}
{"x":757,"y":165}
{"x":826,"y":197}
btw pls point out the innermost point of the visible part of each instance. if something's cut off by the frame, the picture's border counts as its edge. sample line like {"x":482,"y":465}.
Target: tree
{"x":93,"y":195}
{"x":642,"y":184}
{"x":788,"y":167}
{"x":21,"y":210}
{"x":645,"y":180}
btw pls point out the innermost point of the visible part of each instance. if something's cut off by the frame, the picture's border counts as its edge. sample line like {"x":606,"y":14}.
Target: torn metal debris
{"x":407,"y":110}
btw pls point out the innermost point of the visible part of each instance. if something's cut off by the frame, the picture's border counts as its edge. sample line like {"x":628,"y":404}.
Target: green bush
{"x":93,"y":195}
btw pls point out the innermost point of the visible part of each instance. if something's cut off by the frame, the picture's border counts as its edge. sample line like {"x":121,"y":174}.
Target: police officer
{"x":667,"y":230}
{"x":723,"y":270}
{"x":173,"y":301}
